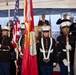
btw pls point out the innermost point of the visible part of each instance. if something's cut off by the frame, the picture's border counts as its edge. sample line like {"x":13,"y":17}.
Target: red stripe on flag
{"x":16,"y":30}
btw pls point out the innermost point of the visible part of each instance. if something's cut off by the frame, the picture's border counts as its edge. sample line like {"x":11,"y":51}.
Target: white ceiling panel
{"x":39,"y":4}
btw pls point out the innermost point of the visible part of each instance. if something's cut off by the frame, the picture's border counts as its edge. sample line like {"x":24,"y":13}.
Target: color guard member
{"x":21,"y":46}
{"x":46,"y":52}
{"x":5,"y":48}
{"x":66,"y":47}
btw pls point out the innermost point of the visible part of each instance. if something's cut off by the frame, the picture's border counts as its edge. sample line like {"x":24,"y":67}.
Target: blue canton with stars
{"x":16,"y":12}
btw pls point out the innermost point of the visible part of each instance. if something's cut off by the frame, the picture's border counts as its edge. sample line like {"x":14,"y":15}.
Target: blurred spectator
{"x":0,"y":31}
{"x":73,"y":26}
{"x":63,"y":19}
{"x":43,"y":22}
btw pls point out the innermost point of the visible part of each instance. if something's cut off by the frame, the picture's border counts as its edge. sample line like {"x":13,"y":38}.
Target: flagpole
{"x":8,"y":17}
{"x":50,"y":19}
{"x":8,"y":21}
{"x":24,"y":10}
{"x":75,"y":60}
{"x":68,"y":55}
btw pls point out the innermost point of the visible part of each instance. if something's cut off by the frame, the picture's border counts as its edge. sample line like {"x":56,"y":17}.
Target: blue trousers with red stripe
{"x":4,"y":68}
{"x":20,"y":69}
{"x":64,"y":70}
{"x":46,"y":70}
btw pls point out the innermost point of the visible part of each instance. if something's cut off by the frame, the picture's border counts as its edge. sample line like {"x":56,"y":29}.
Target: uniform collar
{"x":65,"y":35}
{"x":4,"y":36}
{"x":45,"y":37}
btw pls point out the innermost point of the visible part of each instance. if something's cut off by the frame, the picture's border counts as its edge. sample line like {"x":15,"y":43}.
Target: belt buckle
{"x":46,"y":60}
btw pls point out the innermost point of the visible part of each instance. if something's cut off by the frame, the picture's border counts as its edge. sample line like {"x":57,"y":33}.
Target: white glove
{"x":0,"y":45}
{"x":66,"y":63}
{"x":68,"y":47}
{"x":54,"y":64}
{"x":16,"y":64}
{"x":21,"y":53}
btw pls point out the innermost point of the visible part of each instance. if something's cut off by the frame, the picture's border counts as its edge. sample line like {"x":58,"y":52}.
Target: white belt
{"x":4,"y":50}
{"x":64,"y":50}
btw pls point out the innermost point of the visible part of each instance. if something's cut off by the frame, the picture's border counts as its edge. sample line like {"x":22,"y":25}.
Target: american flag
{"x":16,"y":31}
{"x":16,"y":28}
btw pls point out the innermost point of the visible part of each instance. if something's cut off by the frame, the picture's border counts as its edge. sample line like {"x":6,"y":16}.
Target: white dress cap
{"x":65,"y":24}
{"x":5,"y":28}
{"x":45,"y":28}
{"x":22,"y":26}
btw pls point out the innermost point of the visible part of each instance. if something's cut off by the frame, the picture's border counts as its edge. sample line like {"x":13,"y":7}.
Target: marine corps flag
{"x":29,"y":60}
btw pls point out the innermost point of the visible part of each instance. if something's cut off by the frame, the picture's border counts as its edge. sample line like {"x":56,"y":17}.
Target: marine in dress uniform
{"x":5,"y":48}
{"x":21,"y":47}
{"x":63,"y":48}
{"x":46,"y":52}
{"x":43,"y":21}
{"x":13,"y":54}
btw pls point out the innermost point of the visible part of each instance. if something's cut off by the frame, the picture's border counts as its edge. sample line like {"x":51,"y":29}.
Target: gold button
{"x":46,"y":51}
{"x":22,"y":46}
{"x":46,"y":46}
{"x":46,"y":42}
